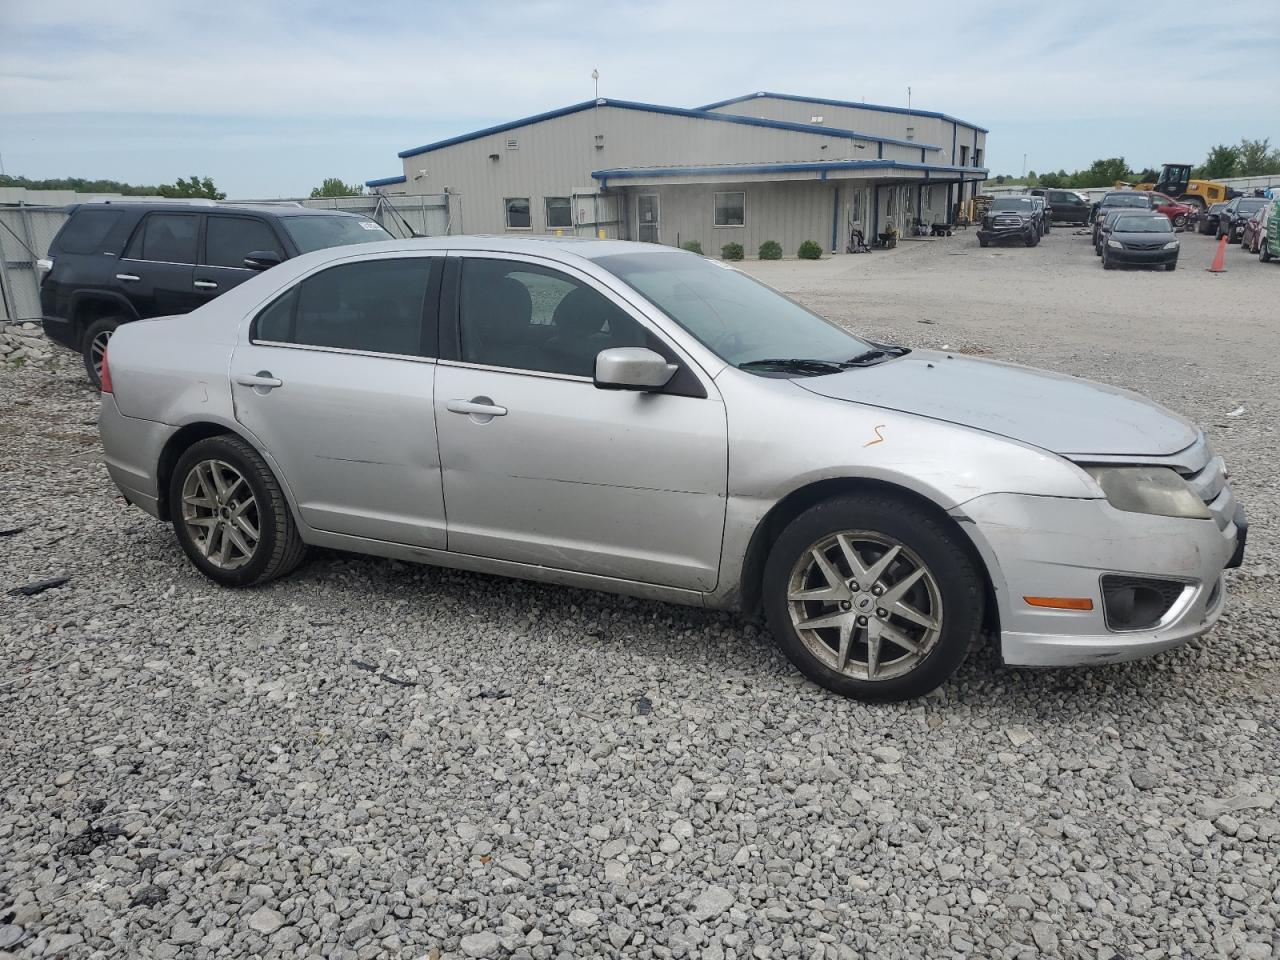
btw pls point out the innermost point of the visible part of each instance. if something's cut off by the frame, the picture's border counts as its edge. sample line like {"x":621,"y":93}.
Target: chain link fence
{"x":27,"y":231}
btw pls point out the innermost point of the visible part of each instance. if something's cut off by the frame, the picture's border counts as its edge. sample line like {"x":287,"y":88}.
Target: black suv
{"x":1010,"y":218}
{"x":1065,"y":206}
{"x":116,"y":261}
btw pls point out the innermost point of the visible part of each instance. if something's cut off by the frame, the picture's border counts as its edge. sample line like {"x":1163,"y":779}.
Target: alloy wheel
{"x":98,"y":351}
{"x":865,"y":605}
{"x":221,"y":514}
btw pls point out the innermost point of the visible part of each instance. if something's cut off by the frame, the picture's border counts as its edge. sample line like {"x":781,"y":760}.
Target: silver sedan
{"x":637,"y":419}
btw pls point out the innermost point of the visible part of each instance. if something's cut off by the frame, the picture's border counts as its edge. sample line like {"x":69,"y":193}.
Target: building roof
{"x":842,"y":103}
{"x":385,"y":181}
{"x":726,"y":171}
{"x":671,"y":111}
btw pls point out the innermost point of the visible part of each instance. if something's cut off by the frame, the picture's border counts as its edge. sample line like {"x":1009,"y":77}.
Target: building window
{"x":964,"y":155}
{"x":731,"y":209}
{"x":518,"y":213}
{"x":559,"y":212}
{"x":977,"y":157}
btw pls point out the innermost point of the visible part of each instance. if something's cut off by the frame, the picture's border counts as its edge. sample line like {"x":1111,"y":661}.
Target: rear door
{"x":335,"y":377}
{"x":156,"y":271}
{"x":228,"y":239}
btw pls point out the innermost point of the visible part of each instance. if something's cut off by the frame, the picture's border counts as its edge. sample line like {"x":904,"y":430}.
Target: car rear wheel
{"x":230,"y":514}
{"x":93,"y":346}
{"x":872,"y":597}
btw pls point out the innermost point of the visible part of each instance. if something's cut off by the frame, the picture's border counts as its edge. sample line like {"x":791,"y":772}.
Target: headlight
{"x":1171,"y":245}
{"x":1116,"y":244}
{"x":1154,"y":490}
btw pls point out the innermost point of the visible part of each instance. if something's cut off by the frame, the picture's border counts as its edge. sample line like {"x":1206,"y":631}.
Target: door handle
{"x":206,"y":285}
{"x":262,"y":381}
{"x":477,"y":407}
{"x":128,"y":277}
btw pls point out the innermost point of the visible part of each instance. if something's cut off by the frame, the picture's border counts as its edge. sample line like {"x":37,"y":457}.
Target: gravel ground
{"x":374,"y":759}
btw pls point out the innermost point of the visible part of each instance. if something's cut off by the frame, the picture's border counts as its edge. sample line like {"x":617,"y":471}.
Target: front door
{"x":541,"y":467}
{"x":647,"y":217}
{"x":335,"y":378}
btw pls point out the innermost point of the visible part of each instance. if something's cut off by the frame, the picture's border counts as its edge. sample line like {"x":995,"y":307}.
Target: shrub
{"x":693,"y":246}
{"x":771,"y":250}
{"x":732,"y":251}
{"x":809,"y":250}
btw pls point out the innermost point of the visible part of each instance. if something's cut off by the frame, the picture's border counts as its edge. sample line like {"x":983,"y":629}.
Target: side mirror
{"x":632,"y":368}
{"x":262,"y":259}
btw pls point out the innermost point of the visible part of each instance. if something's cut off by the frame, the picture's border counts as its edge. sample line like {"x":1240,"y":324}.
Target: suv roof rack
{"x":194,"y":201}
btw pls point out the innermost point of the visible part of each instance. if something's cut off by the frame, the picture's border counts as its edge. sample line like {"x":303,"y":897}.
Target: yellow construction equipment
{"x":1175,"y":181}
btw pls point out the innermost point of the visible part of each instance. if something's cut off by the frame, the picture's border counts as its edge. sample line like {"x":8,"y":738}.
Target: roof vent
{"x":513,"y":143}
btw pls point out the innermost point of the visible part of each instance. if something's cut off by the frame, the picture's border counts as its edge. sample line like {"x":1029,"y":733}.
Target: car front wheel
{"x":1264,"y":252}
{"x":230,"y":514}
{"x":872,"y":597}
{"x":93,"y":346}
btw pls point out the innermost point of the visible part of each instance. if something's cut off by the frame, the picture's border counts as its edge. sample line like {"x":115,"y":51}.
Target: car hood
{"x":1062,"y":414}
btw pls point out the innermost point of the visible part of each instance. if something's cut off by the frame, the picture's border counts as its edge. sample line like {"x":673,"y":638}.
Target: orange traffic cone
{"x":1219,"y":260}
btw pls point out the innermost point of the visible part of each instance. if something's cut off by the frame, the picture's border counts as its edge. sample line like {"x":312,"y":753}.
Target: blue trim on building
{"x":385,"y":181}
{"x":842,"y":103}
{"x":670,"y":111}
{"x":814,"y":166}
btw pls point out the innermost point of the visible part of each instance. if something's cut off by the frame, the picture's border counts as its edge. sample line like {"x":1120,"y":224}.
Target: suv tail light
{"x":106,"y":371}
{"x":44,"y":267}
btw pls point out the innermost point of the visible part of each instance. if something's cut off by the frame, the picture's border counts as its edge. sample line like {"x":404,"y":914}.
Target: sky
{"x":271,"y":98}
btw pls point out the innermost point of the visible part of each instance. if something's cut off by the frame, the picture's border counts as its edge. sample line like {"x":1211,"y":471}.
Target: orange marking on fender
{"x":879,"y":438}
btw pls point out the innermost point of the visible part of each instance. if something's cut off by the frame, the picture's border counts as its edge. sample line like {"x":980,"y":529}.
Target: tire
{"x":1106,"y":262}
{"x":94,"y":343}
{"x":1171,"y":266}
{"x":982,"y":241}
{"x":1264,"y":252}
{"x":949,"y":593}
{"x":278,"y":548}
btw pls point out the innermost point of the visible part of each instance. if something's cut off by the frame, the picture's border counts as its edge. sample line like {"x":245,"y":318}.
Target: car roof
{"x":588,"y":248}
{"x":282,"y":209}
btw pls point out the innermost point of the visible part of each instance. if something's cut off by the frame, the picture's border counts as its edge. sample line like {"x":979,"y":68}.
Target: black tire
{"x":982,"y":241}
{"x":1171,"y":266}
{"x":1106,"y":261}
{"x":94,"y":339}
{"x":939,"y":548}
{"x":279,"y":549}
{"x":1264,"y":252}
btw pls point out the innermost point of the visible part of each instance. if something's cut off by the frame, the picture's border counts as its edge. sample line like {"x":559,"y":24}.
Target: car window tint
{"x":528,"y":317}
{"x":86,"y":230}
{"x":228,"y":240}
{"x":170,"y":237}
{"x":374,"y":305}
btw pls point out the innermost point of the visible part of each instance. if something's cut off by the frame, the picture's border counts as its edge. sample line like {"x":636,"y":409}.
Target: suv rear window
{"x":87,"y":229}
{"x":166,"y":237}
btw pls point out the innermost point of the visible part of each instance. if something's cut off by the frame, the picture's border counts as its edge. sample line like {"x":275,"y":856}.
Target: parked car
{"x":1140,"y":238}
{"x":114,"y":261}
{"x":1178,"y":213}
{"x":1207,"y":223}
{"x":1103,"y":230}
{"x":1251,"y":234}
{"x":1129,"y":199}
{"x":1067,"y":206}
{"x":1269,"y":243}
{"x":642,"y":420}
{"x":1236,"y":214}
{"x":1008,"y":219}
{"x":1042,"y":211}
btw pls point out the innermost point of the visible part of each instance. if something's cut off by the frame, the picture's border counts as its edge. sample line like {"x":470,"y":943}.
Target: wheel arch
{"x":772,"y":524}
{"x":90,"y":305}
{"x":189,"y":434}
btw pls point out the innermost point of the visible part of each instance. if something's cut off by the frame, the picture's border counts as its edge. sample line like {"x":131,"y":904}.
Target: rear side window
{"x":166,"y":237}
{"x":87,"y":229}
{"x":228,"y":240}
{"x":374,"y":305}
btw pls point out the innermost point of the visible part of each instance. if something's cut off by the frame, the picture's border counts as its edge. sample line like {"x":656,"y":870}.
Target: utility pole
{"x":1024,"y":167}
{"x":908,"y":99}
{"x":595,"y":76}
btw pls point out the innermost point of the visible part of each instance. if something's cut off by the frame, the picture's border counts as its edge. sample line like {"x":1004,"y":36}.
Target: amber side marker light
{"x":1061,"y":603}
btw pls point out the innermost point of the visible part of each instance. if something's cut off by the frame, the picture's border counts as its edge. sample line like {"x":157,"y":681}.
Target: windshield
{"x":1012,"y":203}
{"x":1143,"y":225}
{"x":1125,"y":200}
{"x":1252,"y":206}
{"x":317,"y":232}
{"x":740,"y":319}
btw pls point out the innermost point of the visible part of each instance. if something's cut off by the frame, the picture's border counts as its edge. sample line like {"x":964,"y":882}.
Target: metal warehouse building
{"x":766,"y":166}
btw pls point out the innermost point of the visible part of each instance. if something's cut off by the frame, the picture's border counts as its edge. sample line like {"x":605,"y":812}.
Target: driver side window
{"x":528,"y":317}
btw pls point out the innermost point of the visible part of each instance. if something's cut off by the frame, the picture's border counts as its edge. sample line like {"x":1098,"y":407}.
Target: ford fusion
{"x":635,"y":419}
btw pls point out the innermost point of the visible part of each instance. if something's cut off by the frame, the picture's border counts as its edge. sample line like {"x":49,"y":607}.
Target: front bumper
{"x":1057,"y":547}
{"x":999,"y":236}
{"x":1142,"y":256}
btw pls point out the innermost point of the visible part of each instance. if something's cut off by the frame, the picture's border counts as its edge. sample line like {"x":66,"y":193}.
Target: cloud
{"x":437,"y":68}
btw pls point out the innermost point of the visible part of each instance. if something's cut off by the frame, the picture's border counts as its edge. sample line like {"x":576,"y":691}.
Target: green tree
{"x":1146,"y":175}
{"x":1103,"y":173}
{"x":333,"y":187}
{"x":1053,"y":181}
{"x":79,"y":184}
{"x":1257,"y":158}
{"x":195,"y":187}
{"x":1221,"y":162}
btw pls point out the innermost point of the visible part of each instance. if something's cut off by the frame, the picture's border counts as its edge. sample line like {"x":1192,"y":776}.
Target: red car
{"x":1251,"y":235}
{"x":1171,"y":208}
